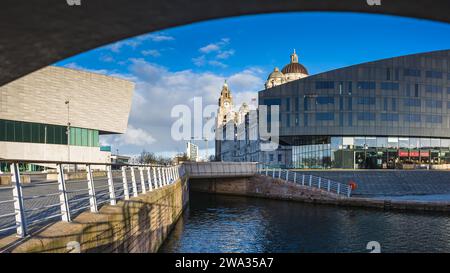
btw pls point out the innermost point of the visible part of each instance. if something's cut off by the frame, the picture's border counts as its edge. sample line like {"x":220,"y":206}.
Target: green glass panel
{"x":78,"y":136}
{"x":26,"y":130}
{"x":90,"y":138}
{"x":35,"y":133}
{"x":96,"y":139}
{"x":72,"y":136}
{"x":51,"y":134}
{"x":2,"y":130}
{"x":18,"y":131}
{"x":84,"y":137}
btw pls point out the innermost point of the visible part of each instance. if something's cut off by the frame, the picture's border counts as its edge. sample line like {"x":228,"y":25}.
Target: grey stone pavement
{"x":37,"y":209}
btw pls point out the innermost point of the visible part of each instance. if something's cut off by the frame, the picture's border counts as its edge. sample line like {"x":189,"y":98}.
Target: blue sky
{"x":193,"y":60}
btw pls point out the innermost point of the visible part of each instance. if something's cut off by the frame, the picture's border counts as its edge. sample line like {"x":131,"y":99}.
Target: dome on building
{"x":275,"y":74}
{"x":294,"y":66}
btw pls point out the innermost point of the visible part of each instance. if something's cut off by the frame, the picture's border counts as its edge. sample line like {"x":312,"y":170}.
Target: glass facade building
{"x":391,"y":113}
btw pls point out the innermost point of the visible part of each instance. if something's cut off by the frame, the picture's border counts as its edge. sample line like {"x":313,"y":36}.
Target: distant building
{"x":390,"y":113}
{"x":38,"y":110}
{"x":192,"y":151}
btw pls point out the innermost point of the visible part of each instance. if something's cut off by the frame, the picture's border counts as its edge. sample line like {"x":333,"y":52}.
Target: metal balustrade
{"x":219,"y":169}
{"x":25,"y":206}
{"x":307,"y":180}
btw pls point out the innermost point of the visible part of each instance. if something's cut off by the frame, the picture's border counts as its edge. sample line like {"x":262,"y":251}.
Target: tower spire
{"x":294,"y":57}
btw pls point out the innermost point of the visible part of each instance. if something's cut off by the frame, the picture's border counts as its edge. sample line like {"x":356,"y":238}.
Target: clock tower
{"x":225,"y":113}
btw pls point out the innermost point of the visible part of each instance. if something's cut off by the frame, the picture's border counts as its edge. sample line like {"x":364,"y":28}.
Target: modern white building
{"x":192,"y":151}
{"x":37,"y":112}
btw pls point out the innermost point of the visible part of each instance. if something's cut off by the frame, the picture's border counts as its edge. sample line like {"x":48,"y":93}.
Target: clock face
{"x":226,"y":104}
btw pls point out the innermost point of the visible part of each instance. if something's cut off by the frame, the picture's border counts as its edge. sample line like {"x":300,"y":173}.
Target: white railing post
{"x":287,"y":175}
{"x":310,"y":180}
{"x":166,"y":176}
{"x":329,"y":185}
{"x":320,"y":181}
{"x":63,"y":201}
{"x":141,"y":172}
{"x":149,"y":174}
{"x":279,"y":173}
{"x":160,"y":178}
{"x":338,"y":188}
{"x":267,"y":171}
{"x":349,"y":191}
{"x":155,"y":177}
{"x":91,"y":188}
{"x":112,"y":190}
{"x":273,"y":173}
{"x":295,"y":177}
{"x":21,"y":221}
{"x":133,"y":182}
{"x":303,"y":179}
{"x":126,"y":191}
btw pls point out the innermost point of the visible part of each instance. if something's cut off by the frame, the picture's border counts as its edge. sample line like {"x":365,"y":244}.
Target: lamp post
{"x":67,"y":102}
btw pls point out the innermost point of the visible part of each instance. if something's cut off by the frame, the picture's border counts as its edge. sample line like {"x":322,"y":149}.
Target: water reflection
{"x":216,"y":223}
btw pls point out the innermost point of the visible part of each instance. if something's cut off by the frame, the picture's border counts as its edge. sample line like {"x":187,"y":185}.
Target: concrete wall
{"x":138,"y":225}
{"x":52,"y":152}
{"x":261,"y":186}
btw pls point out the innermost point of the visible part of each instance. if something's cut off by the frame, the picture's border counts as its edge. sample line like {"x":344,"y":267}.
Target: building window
{"x":297,"y":104}
{"x":433,"y":103}
{"x":270,"y":157}
{"x":389,"y":117}
{"x":324,"y":85}
{"x":416,"y":90}
{"x":279,"y":157}
{"x":272,"y":102}
{"x":366,"y":85}
{"x":305,"y":120}
{"x":388,"y":74}
{"x":433,"y":89}
{"x":324,"y":116}
{"x":297,"y":119}
{"x":394,"y":104}
{"x":288,"y":104}
{"x":305,"y":103}
{"x":350,"y":104}
{"x":288,"y":120}
{"x":325,"y":100}
{"x":350,"y":88}
{"x":30,"y":132}
{"x":412,"y":118}
{"x":389,"y":86}
{"x":366,"y":116}
{"x":434,"y":74}
{"x":385,"y":104}
{"x":412,"y":102}
{"x":366,"y":100}
{"x":433,"y":119}
{"x":350,"y":119}
{"x":411,"y":72}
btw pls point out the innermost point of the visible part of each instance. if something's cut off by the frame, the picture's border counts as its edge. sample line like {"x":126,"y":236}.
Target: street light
{"x":67,"y":102}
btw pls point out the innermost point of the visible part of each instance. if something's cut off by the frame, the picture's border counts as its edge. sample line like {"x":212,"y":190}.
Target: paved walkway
{"x":392,"y":182}
{"x":40,"y":208}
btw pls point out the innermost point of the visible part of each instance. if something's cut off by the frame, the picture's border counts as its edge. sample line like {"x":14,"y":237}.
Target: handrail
{"x":25,"y":211}
{"x":306,"y":180}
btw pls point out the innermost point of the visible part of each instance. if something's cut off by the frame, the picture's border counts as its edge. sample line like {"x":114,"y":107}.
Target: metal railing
{"x":219,"y":169}
{"x":307,"y":180}
{"x":24,"y":206}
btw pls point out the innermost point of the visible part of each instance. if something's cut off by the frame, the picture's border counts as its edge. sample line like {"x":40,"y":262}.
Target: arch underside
{"x":36,"y":33}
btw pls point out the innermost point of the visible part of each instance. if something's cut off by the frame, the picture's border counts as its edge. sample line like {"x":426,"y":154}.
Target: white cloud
{"x":199,"y":61}
{"x":209,"y":48}
{"x":217,"y":63}
{"x":225,"y":54}
{"x":157,"y":37}
{"x":151,"y":52}
{"x":215,"y":46}
{"x":158,"y":90}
